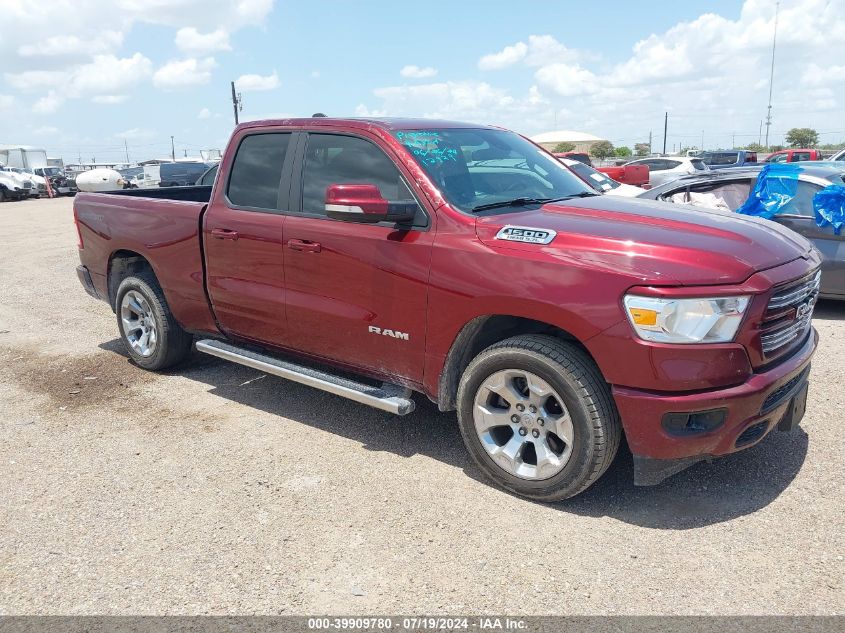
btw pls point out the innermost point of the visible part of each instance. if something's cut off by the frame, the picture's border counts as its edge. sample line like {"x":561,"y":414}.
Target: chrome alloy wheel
{"x":139,"y":324}
{"x":523,"y":424}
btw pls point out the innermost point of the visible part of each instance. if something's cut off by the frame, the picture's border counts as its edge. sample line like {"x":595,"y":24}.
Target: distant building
{"x":582,"y":142}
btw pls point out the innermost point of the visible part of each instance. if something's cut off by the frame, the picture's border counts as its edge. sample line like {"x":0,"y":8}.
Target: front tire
{"x":537,"y":417}
{"x":148,"y":330}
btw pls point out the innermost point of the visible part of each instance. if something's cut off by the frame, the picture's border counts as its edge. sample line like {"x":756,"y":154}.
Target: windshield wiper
{"x":516,"y":202}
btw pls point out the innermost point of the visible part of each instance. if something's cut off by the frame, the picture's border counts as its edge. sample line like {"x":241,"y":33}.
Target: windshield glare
{"x":474,"y":167}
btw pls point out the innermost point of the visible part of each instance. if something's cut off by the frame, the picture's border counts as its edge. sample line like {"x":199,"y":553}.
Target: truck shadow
{"x":705,"y":494}
{"x":831,"y":310}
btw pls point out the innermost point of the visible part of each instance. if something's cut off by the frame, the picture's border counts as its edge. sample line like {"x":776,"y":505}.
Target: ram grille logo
{"x":526,"y":234}
{"x":391,"y":333}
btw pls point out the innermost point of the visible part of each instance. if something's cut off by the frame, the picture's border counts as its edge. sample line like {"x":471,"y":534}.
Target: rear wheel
{"x":537,"y":417}
{"x":152,"y":337}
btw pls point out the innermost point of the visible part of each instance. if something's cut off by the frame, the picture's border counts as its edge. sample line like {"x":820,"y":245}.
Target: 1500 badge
{"x":525,"y":234}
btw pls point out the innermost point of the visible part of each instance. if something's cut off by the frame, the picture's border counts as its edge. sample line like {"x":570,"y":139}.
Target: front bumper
{"x":761,"y":402}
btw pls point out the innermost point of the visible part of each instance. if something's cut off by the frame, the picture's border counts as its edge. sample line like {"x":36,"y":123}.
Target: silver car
{"x":663,"y":169}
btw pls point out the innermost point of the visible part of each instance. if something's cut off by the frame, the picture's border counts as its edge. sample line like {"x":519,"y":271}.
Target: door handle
{"x":305,"y":245}
{"x":224,"y":234}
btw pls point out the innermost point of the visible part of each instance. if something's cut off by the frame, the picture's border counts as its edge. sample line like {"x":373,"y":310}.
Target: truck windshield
{"x":475,"y":167}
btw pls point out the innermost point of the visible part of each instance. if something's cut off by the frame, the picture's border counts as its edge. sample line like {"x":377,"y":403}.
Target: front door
{"x":242,"y":236}
{"x":356,"y":293}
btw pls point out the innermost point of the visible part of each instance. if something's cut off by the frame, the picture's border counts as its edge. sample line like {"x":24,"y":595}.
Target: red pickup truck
{"x":793,"y":156}
{"x":467,"y":264}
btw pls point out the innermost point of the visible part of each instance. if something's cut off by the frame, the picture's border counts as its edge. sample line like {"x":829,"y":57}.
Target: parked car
{"x":838,"y":156}
{"x":636,"y":175}
{"x":728,"y":158}
{"x":666,"y":168}
{"x":13,"y":186}
{"x":730,"y":189}
{"x":181,"y":173}
{"x":599,"y":181}
{"x":61,"y":184}
{"x":463,"y":263}
{"x":793,"y":156}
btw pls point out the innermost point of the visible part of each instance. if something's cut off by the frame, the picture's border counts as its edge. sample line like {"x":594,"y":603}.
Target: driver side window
{"x":336,"y":159}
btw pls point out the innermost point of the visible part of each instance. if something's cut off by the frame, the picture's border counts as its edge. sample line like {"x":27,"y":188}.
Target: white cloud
{"x":508,"y":56}
{"x":48,"y":104}
{"x":109,"y":75}
{"x":63,"y":45}
{"x":184,"y":73}
{"x":110,"y":99}
{"x":45,"y":130}
{"x":415,"y":72}
{"x":192,"y":42}
{"x":49,"y":45}
{"x":6,"y":101}
{"x":205,"y":113}
{"x":251,"y":83}
{"x":709,"y":72}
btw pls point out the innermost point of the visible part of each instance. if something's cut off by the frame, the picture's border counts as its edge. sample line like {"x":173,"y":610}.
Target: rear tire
{"x":555,"y":430}
{"x":148,"y":330}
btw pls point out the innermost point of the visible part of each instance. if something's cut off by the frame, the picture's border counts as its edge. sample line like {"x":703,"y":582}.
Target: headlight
{"x":705,"y":320}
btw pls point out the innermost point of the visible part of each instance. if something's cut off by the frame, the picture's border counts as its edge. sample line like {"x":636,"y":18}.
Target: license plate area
{"x":795,"y":411}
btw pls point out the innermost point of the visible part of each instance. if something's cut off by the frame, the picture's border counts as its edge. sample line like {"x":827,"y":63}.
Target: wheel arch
{"x":479,"y":334}
{"x":122,"y":264}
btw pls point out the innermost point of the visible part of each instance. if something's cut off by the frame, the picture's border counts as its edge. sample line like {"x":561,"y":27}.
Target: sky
{"x":90,"y":78}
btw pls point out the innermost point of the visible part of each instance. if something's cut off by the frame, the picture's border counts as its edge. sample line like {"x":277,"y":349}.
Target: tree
{"x":623,"y":151}
{"x":802,"y":137}
{"x":602,"y":149}
{"x":641,"y":149}
{"x":755,"y":147}
{"x":564,"y":147}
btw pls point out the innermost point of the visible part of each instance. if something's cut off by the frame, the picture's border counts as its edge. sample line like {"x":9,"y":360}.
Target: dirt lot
{"x":212,"y":489}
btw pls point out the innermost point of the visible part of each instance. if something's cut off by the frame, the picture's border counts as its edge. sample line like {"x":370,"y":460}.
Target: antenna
{"x":772,"y":74}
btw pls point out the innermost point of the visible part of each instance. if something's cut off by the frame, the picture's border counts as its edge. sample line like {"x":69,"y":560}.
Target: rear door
{"x":356,"y":293}
{"x":242,"y":236}
{"x":798,"y":215}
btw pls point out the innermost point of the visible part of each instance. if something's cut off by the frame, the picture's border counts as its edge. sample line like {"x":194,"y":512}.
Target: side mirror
{"x":364,"y":203}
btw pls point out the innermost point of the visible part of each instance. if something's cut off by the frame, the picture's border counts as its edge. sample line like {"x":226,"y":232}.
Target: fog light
{"x":695,"y":422}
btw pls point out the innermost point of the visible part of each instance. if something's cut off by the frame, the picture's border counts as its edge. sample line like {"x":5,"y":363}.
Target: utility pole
{"x":665,"y":129}
{"x":649,"y":141}
{"x":126,"y":149}
{"x":238,"y":103}
{"x":760,"y":134}
{"x":702,"y":140}
{"x":172,"y":150}
{"x":772,"y":74}
{"x":733,"y":140}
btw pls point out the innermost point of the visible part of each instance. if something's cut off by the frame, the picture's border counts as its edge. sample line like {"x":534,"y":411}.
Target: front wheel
{"x":150,"y":333}
{"x":537,"y":417}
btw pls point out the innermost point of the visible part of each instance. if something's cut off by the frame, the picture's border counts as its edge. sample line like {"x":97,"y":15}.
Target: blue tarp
{"x":776,"y":185}
{"x":829,"y":207}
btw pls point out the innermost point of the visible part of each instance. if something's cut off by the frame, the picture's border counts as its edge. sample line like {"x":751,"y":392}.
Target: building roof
{"x":563,"y":136}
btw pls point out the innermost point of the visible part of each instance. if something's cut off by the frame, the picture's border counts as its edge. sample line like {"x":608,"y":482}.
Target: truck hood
{"x":654,"y":242}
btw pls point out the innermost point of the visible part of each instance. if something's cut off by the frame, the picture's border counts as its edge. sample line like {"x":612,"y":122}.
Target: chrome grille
{"x":790,"y":312}
{"x":796,"y":294}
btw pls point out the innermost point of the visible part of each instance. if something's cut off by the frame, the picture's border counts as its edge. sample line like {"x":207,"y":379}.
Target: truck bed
{"x":195,"y":193}
{"x":164,"y":228}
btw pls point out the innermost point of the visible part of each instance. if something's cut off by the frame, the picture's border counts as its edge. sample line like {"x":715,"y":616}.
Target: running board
{"x":388,"y":397}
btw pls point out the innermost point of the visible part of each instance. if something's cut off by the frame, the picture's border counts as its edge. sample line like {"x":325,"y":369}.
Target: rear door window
{"x":797,"y":156}
{"x":256,"y":172}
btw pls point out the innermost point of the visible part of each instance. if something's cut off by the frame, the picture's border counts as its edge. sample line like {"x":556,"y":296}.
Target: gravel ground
{"x":212,"y":489}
